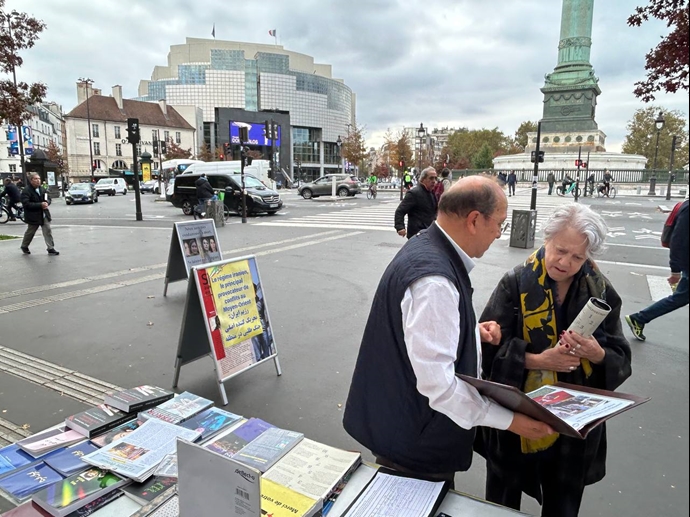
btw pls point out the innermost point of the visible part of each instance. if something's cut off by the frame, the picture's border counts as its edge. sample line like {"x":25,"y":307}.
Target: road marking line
{"x":629,"y":264}
{"x":658,"y":287}
{"x":10,"y":433}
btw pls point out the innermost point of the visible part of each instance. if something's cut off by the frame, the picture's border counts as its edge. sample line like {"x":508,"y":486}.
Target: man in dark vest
{"x":419,"y":205}
{"x":405,"y":403}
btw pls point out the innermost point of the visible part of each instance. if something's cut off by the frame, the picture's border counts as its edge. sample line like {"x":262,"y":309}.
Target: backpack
{"x":669,"y":225}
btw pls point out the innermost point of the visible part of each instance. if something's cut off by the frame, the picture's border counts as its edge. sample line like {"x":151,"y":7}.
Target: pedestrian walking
{"x":551,"y":180}
{"x":678,"y":260}
{"x":512,"y":181}
{"x":405,"y":402}
{"x":36,"y":200}
{"x":419,"y":205}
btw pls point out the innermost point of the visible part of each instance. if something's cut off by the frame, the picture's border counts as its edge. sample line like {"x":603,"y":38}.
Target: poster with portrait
{"x":226,"y":302}
{"x":193,"y":243}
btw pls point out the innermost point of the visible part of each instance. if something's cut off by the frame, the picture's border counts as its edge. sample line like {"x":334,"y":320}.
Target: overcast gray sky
{"x":458,"y":63}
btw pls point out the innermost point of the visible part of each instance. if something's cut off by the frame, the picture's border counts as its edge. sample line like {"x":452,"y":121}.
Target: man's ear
{"x":471,"y":222}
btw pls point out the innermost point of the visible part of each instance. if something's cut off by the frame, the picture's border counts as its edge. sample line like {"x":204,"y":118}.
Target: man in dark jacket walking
{"x":35,"y":200}
{"x":405,"y":402}
{"x":678,"y":260}
{"x":204,"y":192}
{"x":419,"y":205}
{"x":13,"y":197}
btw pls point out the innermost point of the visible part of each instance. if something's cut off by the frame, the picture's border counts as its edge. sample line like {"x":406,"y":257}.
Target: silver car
{"x":346,"y":185}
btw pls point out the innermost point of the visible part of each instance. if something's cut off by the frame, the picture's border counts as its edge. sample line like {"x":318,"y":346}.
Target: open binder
{"x":515,"y":400}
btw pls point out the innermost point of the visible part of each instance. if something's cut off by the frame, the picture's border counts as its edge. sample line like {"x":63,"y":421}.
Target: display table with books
{"x":151,"y":453}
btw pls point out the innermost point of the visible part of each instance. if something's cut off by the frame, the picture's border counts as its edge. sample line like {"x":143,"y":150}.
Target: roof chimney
{"x":117,"y":95}
{"x":164,"y":107}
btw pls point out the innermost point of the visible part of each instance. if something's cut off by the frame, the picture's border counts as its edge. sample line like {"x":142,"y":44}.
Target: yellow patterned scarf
{"x":539,"y":319}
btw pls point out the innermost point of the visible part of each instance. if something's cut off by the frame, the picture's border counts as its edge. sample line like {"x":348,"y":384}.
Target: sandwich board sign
{"x":193,"y":243}
{"x":226,"y":316}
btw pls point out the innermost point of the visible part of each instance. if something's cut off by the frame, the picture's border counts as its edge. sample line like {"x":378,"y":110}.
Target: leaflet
{"x":577,"y":408}
{"x":137,"y":454}
{"x":590,"y":317}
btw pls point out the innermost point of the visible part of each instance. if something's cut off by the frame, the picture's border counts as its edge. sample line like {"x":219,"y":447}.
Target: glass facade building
{"x":214,"y":74}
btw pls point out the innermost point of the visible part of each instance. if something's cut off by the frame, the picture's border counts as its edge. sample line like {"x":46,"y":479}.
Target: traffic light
{"x":163,"y":147}
{"x":133,"y":130}
{"x":94,"y":165}
{"x":533,"y":155}
{"x":401,"y":163}
{"x":155,"y":148}
{"x":226,"y":149}
{"x":578,"y":163}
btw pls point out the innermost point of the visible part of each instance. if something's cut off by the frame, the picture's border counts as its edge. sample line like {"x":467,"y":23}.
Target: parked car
{"x":346,"y":185}
{"x":260,"y":198}
{"x":111,"y":186}
{"x":150,"y":186}
{"x":81,"y":193}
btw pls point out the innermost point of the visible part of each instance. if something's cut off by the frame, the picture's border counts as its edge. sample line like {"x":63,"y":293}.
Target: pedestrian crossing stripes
{"x":379,"y":216}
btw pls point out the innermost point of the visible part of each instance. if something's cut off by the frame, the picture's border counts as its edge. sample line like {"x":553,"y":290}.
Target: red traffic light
{"x":579,"y":163}
{"x":401,"y":163}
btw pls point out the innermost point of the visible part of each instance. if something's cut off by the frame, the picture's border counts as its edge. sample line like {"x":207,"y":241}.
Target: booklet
{"x":280,"y":501}
{"x":144,"y":493}
{"x":569,"y":409}
{"x":177,"y":410}
{"x":137,"y":399}
{"x":211,"y":422}
{"x":12,"y":457}
{"x":24,"y":482}
{"x":76,"y":491}
{"x":234,"y":439}
{"x":314,"y":469}
{"x":138,"y":454}
{"x":119,"y":432}
{"x":393,"y":493}
{"x":39,"y":444}
{"x":69,"y":461}
{"x":262,"y":452}
{"x":97,"y":420}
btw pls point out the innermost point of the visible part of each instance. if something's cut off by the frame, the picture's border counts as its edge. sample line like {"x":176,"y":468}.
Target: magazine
{"x":138,"y":454}
{"x":211,"y":422}
{"x":262,"y":452}
{"x":177,"y":410}
{"x":115,"y":434}
{"x":569,"y":409}
{"x":42,"y":443}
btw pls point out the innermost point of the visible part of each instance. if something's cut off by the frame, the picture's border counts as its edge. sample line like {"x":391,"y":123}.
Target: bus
{"x":172,"y":168}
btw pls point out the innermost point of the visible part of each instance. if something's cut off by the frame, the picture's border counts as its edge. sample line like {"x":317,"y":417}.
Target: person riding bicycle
{"x":608,"y":178}
{"x":567,"y":181}
{"x":14,"y":196}
{"x":204,"y":192}
{"x":372,"y":180}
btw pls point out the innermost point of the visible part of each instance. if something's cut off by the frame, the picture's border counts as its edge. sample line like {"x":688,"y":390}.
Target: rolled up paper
{"x":590,"y":317}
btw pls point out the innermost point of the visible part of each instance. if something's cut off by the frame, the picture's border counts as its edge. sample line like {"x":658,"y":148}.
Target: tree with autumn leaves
{"x":18,"y":32}
{"x":667,"y":64}
{"x":641,"y":137}
{"x":354,"y":147}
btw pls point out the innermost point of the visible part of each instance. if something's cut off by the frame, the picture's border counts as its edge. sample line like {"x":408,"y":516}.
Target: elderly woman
{"x":534,"y":304}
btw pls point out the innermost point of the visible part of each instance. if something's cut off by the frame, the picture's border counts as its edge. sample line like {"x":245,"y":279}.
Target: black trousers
{"x":559,"y":499}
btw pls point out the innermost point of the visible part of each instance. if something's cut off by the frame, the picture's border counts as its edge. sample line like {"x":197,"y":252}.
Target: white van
{"x":259,"y":169}
{"x":111,"y":186}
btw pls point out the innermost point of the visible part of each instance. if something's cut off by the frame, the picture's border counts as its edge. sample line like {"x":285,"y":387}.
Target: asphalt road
{"x":95,"y":317}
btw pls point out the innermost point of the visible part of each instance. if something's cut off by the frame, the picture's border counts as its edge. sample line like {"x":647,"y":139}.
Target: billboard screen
{"x":256,"y":133}
{"x":14,"y":142}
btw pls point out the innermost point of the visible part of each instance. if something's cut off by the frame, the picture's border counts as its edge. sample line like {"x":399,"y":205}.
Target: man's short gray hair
{"x":584,"y":220}
{"x":426,"y":172}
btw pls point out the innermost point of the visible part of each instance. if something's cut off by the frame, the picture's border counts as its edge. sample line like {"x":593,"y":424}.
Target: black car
{"x":260,"y":198}
{"x":81,"y":193}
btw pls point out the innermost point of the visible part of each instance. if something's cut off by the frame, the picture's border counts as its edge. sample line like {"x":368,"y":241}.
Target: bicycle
{"x":5,"y":214}
{"x":568,"y":190}
{"x":198,"y":212}
{"x":601,"y":191}
{"x":371,"y":192}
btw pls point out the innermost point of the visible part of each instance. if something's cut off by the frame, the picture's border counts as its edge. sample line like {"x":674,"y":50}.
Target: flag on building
{"x":213,"y":32}
{"x":273,"y":32}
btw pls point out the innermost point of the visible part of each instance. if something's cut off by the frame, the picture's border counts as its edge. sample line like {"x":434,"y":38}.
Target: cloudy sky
{"x":456,"y":63}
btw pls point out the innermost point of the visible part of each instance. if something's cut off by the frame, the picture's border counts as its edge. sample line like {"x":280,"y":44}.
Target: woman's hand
{"x":490,"y":332}
{"x":574,"y":345}
{"x":555,"y":359}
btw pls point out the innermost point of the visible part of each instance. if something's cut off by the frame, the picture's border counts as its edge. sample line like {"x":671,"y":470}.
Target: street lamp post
{"x":670,"y":167}
{"x":659,"y":123}
{"x":87,"y":82}
{"x":339,"y":142}
{"x":421,"y":131}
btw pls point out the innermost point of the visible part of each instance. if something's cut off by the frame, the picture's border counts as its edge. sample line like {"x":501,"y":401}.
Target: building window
{"x":178,"y":137}
{"x":117,"y":132}
{"x":94,"y":130}
{"x":97,"y":148}
{"x":154,"y":135}
{"x":13,"y":167}
{"x":166,"y":136}
{"x":118,"y":149}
